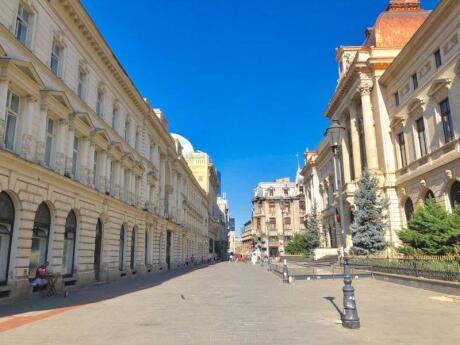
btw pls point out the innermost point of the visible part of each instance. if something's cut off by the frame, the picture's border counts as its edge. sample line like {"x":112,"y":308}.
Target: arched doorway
{"x":133,"y":249}
{"x":454,"y":194}
{"x":121,"y":249}
{"x":6,"y":235}
{"x":40,"y":238}
{"x":408,"y":209}
{"x":98,"y":250}
{"x":69,"y":244}
{"x":429,"y":195}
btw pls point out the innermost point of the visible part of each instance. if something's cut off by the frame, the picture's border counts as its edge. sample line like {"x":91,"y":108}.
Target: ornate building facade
{"x":90,"y":178}
{"x":397,"y":97}
{"x":277,"y":214}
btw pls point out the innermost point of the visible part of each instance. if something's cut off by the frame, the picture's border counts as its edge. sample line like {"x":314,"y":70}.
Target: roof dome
{"x":185,"y":143}
{"x":395,"y":26}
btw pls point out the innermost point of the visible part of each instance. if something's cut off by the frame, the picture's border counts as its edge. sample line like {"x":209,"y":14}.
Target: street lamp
{"x":350,"y":317}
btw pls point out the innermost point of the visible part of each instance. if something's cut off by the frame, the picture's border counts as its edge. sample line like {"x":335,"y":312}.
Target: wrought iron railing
{"x":430,"y":267}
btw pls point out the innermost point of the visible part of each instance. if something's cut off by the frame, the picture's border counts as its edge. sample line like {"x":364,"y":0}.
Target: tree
{"x":368,"y":227}
{"x":431,"y":231}
{"x":304,"y":242}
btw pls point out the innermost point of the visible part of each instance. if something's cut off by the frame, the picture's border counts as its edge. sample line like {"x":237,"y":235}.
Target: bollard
{"x":285,"y":273}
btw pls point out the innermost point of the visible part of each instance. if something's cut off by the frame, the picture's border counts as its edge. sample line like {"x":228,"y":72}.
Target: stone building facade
{"x":397,"y":97}
{"x":90,"y":178}
{"x":278,"y":210}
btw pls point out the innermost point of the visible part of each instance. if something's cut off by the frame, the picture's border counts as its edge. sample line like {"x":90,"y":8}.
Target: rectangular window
{"x":12,"y":113}
{"x":115,"y":118}
{"x":56,"y":59}
{"x":127,"y":129}
{"x":286,"y":191}
{"x":402,"y":149}
{"x":137,"y":139}
{"x":100,"y":103}
{"x":446,"y":118}
{"x":438,"y":58}
{"x":49,"y":142}
{"x":302,"y":204}
{"x":112,"y":177}
{"x":272,"y":224}
{"x":76,"y":145}
{"x":95,"y":168}
{"x":152,"y":151}
{"x":287,"y":221}
{"x":396,"y":98}
{"x":22,"y":25}
{"x":421,"y":136}
{"x":414,"y":81}
{"x":81,"y":88}
{"x":152,"y":195}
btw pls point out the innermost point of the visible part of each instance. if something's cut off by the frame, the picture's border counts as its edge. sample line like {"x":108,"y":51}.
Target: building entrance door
{"x":168,"y":249}
{"x":97,"y":251}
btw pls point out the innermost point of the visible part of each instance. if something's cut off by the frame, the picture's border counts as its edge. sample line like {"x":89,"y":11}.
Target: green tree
{"x":368,"y":227}
{"x":306,"y":241}
{"x":432,"y":230}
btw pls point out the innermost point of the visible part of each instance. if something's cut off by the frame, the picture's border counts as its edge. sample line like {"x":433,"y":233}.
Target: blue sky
{"x":245,"y":80}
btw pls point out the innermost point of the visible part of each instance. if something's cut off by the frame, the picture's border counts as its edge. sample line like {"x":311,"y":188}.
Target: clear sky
{"x":246,"y":81}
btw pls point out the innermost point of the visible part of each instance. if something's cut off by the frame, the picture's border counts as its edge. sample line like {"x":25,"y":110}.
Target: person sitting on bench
{"x":41,"y":275}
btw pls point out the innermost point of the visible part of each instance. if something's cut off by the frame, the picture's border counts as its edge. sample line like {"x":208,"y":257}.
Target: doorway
{"x":168,"y":249}
{"x":98,"y":251}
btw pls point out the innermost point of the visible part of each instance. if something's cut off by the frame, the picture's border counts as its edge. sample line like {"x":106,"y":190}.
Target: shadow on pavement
{"x":332,"y":300}
{"x":94,"y":293}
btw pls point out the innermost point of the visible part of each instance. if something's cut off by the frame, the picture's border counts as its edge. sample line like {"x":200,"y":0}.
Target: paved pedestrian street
{"x":230,"y":303}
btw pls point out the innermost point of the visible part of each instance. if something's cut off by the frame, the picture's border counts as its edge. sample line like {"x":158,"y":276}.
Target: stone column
{"x":346,"y":175}
{"x":3,"y":99}
{"x":69,"y":151}
{"x":355,"y":139}
{"x":368,"y":126}
{"x":41,"y":139}
{"x":61,"y":137}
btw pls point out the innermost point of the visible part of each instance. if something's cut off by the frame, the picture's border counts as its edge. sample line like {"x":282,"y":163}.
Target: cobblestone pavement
{"x":230,"y":303}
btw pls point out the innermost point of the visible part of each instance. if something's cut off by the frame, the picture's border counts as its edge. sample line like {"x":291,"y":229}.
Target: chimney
{"x":403,"y":5}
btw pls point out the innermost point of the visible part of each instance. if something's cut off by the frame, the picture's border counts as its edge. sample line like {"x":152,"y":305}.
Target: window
{"x":115,"y":118}
{"x":96,"y":156}
{"x":421,"y":136}
{"x":12,"y":113}
{"x":272,"y":224}
{"x":362,"y":143}
{"x":151,"y":194}
{"x":408,"y":209}
{"x":127,"y":129}
{"x":23,"y":25}
{"x":6,"y":232}
{"x":40,"y":238}
{"x":133,"y":250}
{"x":414,"y":81}
{"x":137,"y":140}
{"x":302,"y":205}
{"x":137,"y":185}
{"x":76,"y":145}
{"x":211,"y":246}
{"x":286,"y":191}
{"x":396,"y":98}
{"x":271,"y":208}
{"x":287,"y":220}
{"x":402,"y":149}
{"x":270,"y":192}
{"x":126,"y":185}
{"x":56,"y":59}
{"x":454,"y":195}
{"x":438,"y":58}
{"x":148,"y":247}
{"x":121,"y":249}
{"x":112,"y":177}
{"x":258,"y":223}
{"x":81,"y":86}
{"x":49,"y":142}
{"x":446,"y":119}
{"x":69,"y":244}
{"x":152,"y":151}
{"x":429,"y":195}
{"x":100,"y":103}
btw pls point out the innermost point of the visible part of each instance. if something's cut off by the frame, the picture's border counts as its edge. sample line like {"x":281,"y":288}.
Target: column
{"x":3,"y":99}
{"x":102,"y":179}
{"x":121,"y":182}
{"x":355,"y":139}
{"x":368,"y":126}
{"x":27,"y":125}
{"x":59,"y":165}
{"x":346,"y":175}
{"x":83,"y":160}
{"x":108,"y":173}
{"x":69,"y":151}
{"x":90,"y":164}
{"x":41,"y":139}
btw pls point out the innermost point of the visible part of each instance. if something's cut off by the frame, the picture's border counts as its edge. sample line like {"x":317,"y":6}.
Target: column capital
{"x":365,"y":87}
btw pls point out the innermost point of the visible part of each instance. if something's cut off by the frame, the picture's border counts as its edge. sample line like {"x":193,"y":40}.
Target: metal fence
{"x":437,"y":267}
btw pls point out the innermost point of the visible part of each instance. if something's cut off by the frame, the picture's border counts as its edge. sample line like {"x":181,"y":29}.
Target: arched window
{"x":133,"y":249}
{"x":121,"y":250}
{"x":454,"y":194}
{"x":6,"y":232}
{"x":69,"y":244}
{"x":409,"y":209}
{"x":40,"y":238}
{"x":429,"y":195}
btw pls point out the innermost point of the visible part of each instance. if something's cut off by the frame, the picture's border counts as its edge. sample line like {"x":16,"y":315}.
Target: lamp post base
{"x":351,"y":324}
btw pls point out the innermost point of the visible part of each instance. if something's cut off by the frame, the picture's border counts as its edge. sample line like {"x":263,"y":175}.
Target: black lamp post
{"x":350,"y":317}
